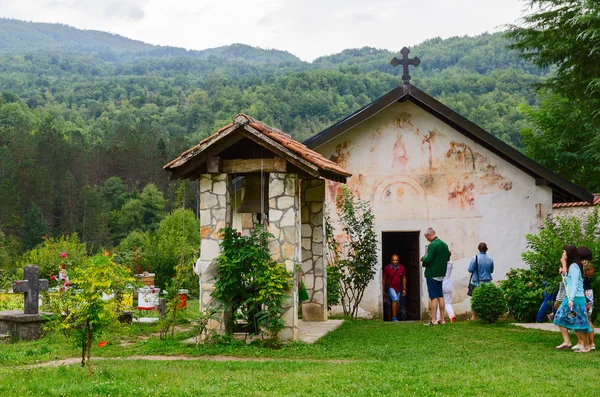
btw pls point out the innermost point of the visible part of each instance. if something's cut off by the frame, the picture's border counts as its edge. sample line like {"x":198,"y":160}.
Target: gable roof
{"x":562,"y":189}
{"x":274,"y":140}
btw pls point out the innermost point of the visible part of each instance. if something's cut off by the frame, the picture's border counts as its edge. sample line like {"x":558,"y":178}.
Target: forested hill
{"x":98,"y":106}
{"x":20,"y":36}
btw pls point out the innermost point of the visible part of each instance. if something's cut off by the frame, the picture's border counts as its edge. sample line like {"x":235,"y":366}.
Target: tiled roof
{"x":273,"y":133}
{"x":578,"y":203}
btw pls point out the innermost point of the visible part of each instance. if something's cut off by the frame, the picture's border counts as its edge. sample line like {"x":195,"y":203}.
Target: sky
{"x":305,"y":28}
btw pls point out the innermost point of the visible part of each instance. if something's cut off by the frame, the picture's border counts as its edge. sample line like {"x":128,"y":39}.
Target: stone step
{"x":5,"y":338}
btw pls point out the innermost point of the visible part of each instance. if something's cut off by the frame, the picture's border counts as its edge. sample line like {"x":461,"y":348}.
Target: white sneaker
{"x":593,"y":347}
{"x":577,"y":347}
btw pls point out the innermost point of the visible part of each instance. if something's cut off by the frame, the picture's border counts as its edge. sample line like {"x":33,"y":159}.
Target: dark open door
{"x":406,"y":246}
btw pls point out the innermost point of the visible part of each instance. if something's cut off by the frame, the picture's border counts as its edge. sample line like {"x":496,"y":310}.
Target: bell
{"x":252,"y":195}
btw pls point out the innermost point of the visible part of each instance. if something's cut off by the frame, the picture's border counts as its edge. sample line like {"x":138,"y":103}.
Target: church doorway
{"x":406,"y":246}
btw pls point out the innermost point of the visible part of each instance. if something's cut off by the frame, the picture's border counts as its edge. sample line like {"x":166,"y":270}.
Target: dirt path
{"x":77,"y":360}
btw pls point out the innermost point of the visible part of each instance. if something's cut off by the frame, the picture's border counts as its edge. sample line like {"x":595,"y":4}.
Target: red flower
{"x":63,"y":255}
{"x":102,"y":344}
{"x":53,"y":277}
{"x":239,"y":233}
{"x":66,"y":284}
{"x":106,"y":253}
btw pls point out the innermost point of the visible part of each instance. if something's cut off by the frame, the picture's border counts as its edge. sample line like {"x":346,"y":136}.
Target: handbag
{"x":472,"y":286}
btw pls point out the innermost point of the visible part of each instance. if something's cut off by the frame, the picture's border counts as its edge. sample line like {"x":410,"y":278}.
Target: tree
{"x":154,"y":206}
{"x":35,"y":227}
{"x":85,"y":314}
{"x":176,"y":240}
{"x":565,"y":34}
{"x":354,"y":256}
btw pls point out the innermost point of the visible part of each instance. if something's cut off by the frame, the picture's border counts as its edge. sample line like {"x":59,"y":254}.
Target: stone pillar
{"x":215,"y":214}
{"x":283,"y":224}
{"x":313,"y":264}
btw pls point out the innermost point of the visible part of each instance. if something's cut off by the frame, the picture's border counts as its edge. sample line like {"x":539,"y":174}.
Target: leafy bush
{"x":488,"y":303}
{"x":250,"y":285}
{"x":546,"y":247}
{"x":354,"y":257}
{"x":523,"y":291}
{"x":84,"y":313}
{"x":47,"y":256}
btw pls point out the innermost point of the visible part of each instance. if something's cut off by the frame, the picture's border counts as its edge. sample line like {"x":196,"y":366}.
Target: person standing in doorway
{"x":394,"y":283}
{"x":435,"y":262}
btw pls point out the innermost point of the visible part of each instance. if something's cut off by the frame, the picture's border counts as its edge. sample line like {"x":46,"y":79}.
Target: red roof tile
{"x":578,"y":203}
{"x":280,"y":137}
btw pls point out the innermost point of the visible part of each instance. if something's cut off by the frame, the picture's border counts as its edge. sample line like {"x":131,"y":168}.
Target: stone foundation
{"x":22,"y":326}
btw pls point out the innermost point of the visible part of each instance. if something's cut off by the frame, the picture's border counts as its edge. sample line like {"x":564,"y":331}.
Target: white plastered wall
{"x":418,"y":172}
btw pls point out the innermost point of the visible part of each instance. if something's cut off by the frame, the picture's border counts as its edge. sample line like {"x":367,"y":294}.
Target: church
{"x":418,"y":163}
{"x":422,"y":165}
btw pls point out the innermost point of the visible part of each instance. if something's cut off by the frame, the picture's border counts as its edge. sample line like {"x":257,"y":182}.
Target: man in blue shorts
{"x":435,"y":261}
{"x":394,"y":283}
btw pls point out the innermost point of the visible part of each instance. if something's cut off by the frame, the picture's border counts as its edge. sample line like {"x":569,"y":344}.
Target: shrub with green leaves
{"x":488,"y":303}
{"x":49,"y":255}
{"x":84,"y":312}
{"x":250,"y":285}
{"x":353,"y":260}
{"x":545,"y":248}
{"x":523,"y":290}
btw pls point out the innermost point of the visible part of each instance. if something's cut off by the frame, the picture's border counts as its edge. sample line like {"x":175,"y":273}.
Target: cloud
{"x":306,"y":28}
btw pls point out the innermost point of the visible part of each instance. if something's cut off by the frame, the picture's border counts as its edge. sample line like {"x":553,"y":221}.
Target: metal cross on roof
{"x":405,"y":62}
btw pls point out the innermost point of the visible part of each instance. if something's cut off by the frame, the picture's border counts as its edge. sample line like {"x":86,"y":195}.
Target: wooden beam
{"x":274,"y":146}
{"x":182,"y":171}
{"x":542,"y":182}
{"x":279,"y":164}
{"x":214,"y":165}
{"x":241,"y":166}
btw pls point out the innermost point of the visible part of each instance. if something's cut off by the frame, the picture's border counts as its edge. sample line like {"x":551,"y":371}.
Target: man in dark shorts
{"x":435,"y":262}
{"x":394,"y":283}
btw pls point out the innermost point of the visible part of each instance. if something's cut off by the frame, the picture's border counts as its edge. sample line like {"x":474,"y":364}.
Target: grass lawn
{"x":359,"y":358}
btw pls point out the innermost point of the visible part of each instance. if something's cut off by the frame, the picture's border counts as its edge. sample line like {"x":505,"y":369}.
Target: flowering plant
{"x":60,"y":281}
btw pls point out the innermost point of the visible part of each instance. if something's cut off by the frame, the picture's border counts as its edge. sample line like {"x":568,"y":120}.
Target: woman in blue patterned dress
{"x":572,"y":314}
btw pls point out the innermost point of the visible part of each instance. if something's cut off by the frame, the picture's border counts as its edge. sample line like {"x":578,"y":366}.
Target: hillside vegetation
{"x":79,"y":107}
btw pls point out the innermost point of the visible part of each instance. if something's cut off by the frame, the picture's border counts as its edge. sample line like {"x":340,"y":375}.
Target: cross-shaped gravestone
{"x":31,"y":287}
{"x":405,"y":62}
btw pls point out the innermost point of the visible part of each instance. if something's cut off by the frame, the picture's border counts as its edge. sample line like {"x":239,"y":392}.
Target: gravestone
{"x":26,"y":324}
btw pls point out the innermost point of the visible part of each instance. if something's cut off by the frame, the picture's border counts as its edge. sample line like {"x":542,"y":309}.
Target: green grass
{"x":360,"y":358}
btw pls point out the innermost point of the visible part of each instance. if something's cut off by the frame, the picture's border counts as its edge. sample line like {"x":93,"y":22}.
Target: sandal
{"x":430,"y":323}
{"x":564,"y":347}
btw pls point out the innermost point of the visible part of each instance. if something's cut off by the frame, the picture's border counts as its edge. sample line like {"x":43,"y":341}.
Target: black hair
{"x":573,"y":257}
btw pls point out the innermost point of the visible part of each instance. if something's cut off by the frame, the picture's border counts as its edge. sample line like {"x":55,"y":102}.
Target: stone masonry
{"x":283,"y":218}
{"x":215,"y":214}
{"x":313,"y":267}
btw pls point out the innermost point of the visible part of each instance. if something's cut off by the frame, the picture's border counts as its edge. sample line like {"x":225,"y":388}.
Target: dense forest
{"x":88,"y":119}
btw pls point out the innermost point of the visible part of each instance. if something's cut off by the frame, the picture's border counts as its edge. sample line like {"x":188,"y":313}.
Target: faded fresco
{"x":417,"y":172}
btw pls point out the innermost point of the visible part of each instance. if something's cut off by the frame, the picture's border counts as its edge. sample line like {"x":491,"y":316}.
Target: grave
{"x":26,"y":324}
